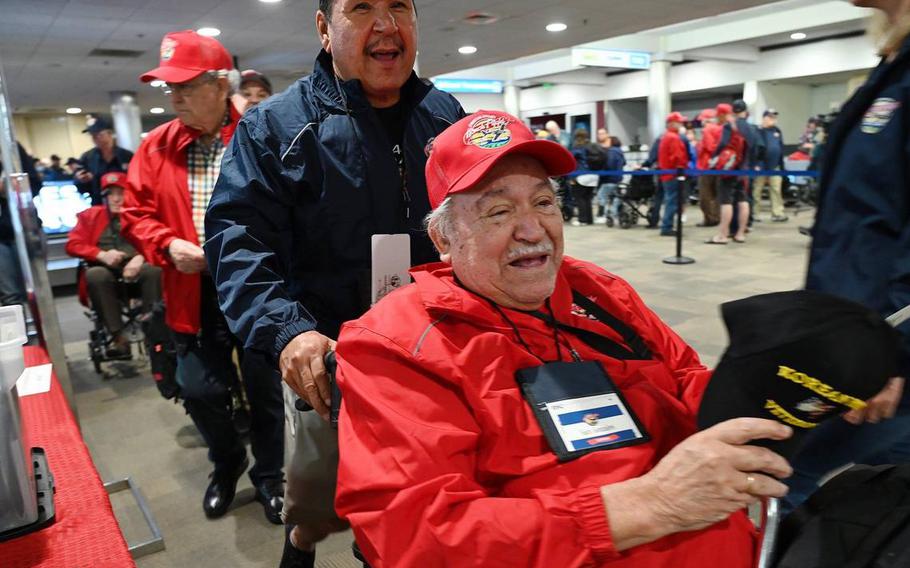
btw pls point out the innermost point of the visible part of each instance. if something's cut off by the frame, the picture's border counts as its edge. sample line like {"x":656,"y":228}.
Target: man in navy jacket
{"x":310,"y":175}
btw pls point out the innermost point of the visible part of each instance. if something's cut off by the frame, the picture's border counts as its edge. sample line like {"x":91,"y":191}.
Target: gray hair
{"x":440,"y":220}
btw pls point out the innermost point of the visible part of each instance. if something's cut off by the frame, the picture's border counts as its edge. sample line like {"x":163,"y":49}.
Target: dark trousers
{"x":707,"y":199}
{"x":206,"y":373}
{"x":671,"y":198}
{"x":108,"y":296}
{"x":656,"y":201}
{"x":12,"y":285}
{"x":582,"y":196}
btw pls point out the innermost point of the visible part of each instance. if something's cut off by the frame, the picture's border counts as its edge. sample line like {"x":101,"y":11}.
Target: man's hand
{"x":112,"y":258}
{"x":84,"y":176}
{"x":189,"y":258}
{"x":881,"y":406}
{"x":303,"y":369}
{"x":700,"y":482}
{"x":131,"y":270}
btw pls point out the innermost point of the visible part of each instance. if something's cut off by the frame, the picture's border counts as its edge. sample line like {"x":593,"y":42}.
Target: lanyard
{"x":551,"y":321}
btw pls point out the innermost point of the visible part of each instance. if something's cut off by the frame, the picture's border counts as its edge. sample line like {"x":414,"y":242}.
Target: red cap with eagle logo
{"x":185,"y":55}
{"x":467,"y":150}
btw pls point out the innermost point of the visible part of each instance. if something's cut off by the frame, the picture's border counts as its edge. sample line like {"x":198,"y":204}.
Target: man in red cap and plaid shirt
{"x":171,"y":180}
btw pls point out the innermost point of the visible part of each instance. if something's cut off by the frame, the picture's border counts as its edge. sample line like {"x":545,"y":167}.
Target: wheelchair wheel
{"x":626,"y":219}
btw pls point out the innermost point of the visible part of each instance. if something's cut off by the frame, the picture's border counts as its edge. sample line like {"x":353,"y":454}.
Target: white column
{"x":658,"y":98}
{"x":512,"y":99}
{"x":127,"y":119}
{"x":754,"y":99}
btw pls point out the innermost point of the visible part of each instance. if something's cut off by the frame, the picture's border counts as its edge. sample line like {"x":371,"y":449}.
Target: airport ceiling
{"x":46,"y":46}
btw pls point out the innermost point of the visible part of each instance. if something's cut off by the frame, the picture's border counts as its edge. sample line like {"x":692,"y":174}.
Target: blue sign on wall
{"x":469,"y":86}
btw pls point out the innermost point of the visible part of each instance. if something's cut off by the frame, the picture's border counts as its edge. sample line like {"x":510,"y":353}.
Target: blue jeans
{"x":671,"y":201}
{"x":837,"y":442}
{"x":606,"y":195}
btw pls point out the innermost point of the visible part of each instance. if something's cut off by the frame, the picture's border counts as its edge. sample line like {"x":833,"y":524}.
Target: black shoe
{"x":609,"y":221}
{"x":271,"y":494}
{"x":293,"y":557}
{"x":220,"y":492}
{"x":780,"y":219}
{"x":670,"y":233}
{"x":703,"y":224}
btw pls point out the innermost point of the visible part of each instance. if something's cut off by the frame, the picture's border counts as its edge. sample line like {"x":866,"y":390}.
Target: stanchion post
{"x":680,"y":200}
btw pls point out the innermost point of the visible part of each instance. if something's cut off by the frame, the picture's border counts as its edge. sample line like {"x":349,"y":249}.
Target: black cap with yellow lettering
{"x":800,"y":358}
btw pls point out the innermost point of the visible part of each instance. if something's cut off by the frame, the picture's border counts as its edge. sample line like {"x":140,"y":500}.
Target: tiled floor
{"x":131,"y":431}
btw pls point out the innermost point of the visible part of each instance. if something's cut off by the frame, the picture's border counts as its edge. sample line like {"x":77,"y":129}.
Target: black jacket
{"x":308,"y":177}
{"x":93,"y":162}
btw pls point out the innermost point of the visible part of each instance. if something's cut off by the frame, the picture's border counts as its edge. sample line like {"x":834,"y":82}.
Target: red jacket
{"x":157,"y":210}
{"x":710,"y":137}
{"x":83,"y":239}
{"x":672,"y":153}
{"x":443,"y":463}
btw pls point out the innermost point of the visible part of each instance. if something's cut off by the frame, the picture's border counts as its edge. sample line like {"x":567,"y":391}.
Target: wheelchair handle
{"x":335,"y":406}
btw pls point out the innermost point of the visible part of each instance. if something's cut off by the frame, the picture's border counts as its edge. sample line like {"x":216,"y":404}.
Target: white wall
{"x":473,"y":102}
{"x":792,"y":101}
{"x":628,"y":120}
{"x":826,"y":98}
{"x":535,"y":101}
{"x":833,"y":56}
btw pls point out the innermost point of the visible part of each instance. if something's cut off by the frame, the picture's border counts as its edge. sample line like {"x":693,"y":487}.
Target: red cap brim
{"x":556,"y":160}
{"x":171,"y":74}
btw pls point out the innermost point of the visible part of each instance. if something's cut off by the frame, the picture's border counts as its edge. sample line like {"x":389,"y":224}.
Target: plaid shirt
{"x":203,"y":163}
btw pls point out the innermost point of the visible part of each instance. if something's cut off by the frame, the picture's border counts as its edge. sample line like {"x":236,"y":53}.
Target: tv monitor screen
{"x":57,"y":204}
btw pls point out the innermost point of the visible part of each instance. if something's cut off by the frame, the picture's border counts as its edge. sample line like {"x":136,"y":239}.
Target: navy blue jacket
{"x":616,"y":160}
{"x":308,"y":177}
{"x":774,"y":148}
{"x":861,"y":248}
{"x":93,"y":162}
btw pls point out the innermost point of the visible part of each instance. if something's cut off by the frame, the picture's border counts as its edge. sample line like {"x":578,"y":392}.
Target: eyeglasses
{"x":186,"y":89}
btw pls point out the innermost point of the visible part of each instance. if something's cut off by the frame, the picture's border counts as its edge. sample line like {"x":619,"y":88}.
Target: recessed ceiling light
{"x":209,"y":32}
{"x":74,"y":110}
{"x":270,"y":1}
{"x":798,"y":36}
{"x":157,"y":83}
{"x":467,"y":50}
{"x":143,"y":135}
{"x":556,"y":27}
{"x":156,"y":110}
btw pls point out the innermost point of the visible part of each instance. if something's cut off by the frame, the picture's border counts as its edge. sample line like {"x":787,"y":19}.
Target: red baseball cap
{"x":186,"y":55}
{"x":677,"y":117}
{"x":113,"y":178}
{"x":724,"y":108}
{"x":467,"y":150}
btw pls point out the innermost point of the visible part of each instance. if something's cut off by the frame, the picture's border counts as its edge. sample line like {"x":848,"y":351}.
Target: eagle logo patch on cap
{"x":488,"y":132}
{"x":168,"y":45}
{"x":879,"y":115}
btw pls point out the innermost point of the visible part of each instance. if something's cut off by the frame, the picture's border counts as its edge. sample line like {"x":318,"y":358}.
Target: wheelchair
{"x":100,"y":340}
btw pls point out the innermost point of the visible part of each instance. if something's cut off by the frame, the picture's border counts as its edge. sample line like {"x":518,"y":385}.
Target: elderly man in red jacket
{"x":515,"y":407}
{"x":96,"y":239}
{"x":171,"y":179}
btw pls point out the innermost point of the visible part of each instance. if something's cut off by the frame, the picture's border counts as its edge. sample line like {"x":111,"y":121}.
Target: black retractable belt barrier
{"x":679,"y":258}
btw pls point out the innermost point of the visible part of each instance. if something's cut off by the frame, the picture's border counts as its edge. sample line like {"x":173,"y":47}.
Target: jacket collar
{"x":348,"y":95}
{"x":186,"y":135}
{"x":442,"y":295}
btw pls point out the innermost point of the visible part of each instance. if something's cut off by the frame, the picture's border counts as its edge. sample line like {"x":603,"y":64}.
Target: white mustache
{"x":529,"y":250}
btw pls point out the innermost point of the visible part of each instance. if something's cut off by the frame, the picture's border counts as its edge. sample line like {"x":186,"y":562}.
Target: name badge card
{"x":579,"y":408}
{"x":391,"y":261}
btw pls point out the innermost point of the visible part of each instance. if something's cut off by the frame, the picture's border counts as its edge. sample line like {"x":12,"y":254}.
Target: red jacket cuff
{"x":595,"y":528}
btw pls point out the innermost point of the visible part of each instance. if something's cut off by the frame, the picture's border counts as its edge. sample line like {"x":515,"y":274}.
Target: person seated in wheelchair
{"x":518,"y":407}
{"x":115,"y":272}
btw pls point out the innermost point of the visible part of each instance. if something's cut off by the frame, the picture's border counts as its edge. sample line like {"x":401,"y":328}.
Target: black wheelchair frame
{"x":100,"y":340}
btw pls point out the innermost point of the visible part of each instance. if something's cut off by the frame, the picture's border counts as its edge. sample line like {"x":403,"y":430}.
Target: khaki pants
{"x":774,"y":191}
{"x":707,"y":199}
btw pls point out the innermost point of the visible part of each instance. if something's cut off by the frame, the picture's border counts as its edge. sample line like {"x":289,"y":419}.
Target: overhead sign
{"x":469,"y":86}
{"x":617,"y":58}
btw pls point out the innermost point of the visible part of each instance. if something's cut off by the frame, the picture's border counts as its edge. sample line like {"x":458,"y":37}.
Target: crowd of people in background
{"x":720,"y":138}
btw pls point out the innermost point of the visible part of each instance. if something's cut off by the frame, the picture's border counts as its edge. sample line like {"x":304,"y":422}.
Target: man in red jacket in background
{"x":171,"y":180}
{"x":96,"y":239}
{"x":707,"y":185}
{"x":671,"y":155}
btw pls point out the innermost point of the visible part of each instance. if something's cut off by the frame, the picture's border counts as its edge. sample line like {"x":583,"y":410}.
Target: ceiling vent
{"x":480,"y":18}
{"x":123,"y":53}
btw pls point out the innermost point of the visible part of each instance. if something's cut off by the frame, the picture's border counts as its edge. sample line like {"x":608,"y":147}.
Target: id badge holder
{"x":391,"y":260}
{"x":579,"y":408}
